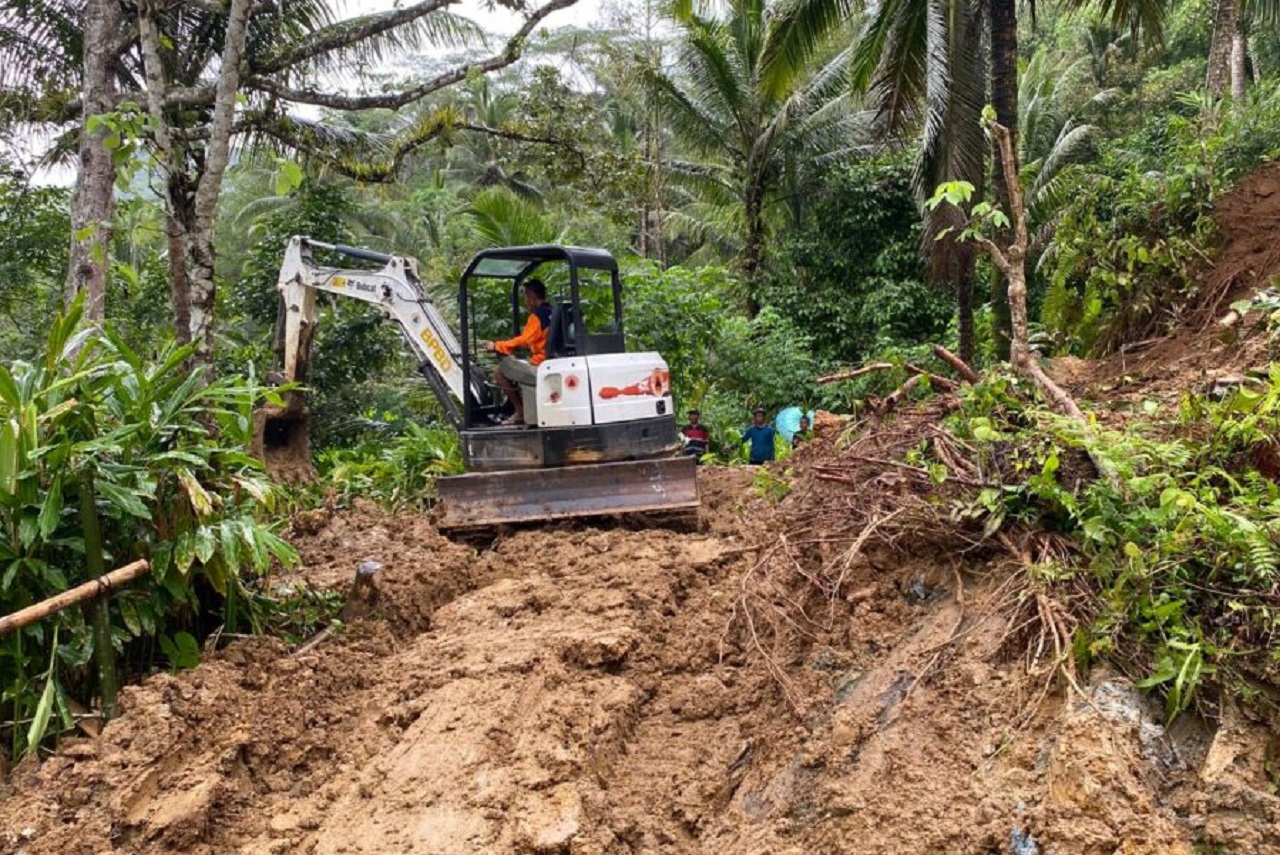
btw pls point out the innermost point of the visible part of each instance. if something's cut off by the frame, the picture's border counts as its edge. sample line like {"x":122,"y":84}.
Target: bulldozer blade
{"x":641,"y":486}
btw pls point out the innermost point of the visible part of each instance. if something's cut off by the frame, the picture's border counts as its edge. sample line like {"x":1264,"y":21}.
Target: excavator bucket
{"x":533,"y":495}
{"x":282,"y":440}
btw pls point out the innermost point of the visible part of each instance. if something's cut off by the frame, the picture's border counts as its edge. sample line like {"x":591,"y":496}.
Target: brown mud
{"x":771,"y":682}
{"x":587,"y":690}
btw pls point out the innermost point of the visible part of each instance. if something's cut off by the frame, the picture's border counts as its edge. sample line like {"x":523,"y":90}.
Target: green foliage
{"x":1182,"y":553}
{"x":1124,"y":253}
{"x":35,"y":231}
{"x":163,"y":452}
{"x":1123,"y":258}
{"x":768,"y":361}
{"x":773,"y":488}
{"x":396,"y":466}
{"x":742,"y":124}
{"x":850,"y":273}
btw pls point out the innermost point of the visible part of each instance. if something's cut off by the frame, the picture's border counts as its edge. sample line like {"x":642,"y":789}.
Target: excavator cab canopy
{"x":583,"y":288}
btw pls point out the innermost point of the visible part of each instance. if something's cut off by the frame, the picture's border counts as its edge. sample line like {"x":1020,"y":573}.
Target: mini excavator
{"x":600,"y":437}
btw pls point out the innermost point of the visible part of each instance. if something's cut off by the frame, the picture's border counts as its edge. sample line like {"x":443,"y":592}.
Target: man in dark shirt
{"x":804,"y":434}
{"x":761,"y":437}
{"x":696,"y":437}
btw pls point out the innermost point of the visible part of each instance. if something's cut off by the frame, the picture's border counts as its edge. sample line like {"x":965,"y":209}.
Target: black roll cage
{"x":523,"y":260}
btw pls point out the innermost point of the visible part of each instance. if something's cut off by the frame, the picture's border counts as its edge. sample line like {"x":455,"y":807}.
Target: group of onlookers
{"x":761,"y":435}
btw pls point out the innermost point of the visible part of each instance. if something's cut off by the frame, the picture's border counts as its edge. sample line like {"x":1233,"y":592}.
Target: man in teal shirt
{"x":761,"y":437}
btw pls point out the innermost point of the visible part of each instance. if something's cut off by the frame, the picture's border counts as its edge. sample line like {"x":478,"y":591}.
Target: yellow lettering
{"x":436,"y":349}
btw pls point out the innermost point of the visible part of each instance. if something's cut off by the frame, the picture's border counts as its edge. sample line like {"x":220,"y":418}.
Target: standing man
{"x":513,"y":373}
{"x":804,"y":434}
{"x":761,"y":437}
{"x":696,"y":438}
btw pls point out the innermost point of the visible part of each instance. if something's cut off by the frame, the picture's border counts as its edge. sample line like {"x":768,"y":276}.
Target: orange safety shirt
{"x":533,"y":336}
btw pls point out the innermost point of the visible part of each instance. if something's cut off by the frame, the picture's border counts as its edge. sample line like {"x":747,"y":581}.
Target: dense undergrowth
{"x":106,"y":457}
{"x":1172,"y":567}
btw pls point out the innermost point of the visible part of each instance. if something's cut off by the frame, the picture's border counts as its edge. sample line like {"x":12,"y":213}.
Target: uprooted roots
{"x":863,"y":499}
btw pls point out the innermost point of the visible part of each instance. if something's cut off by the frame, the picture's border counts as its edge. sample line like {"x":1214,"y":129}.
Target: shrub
{"x":105,"y":458}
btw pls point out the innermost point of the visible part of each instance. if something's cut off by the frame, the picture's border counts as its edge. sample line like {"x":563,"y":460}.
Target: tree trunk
{"x":1237,"y":63}
{"x":172,"y":159}
{"x":753,"y":252}
{"x":964,"y":311}
{"x":202,"y":292}
{"x":1004,"y":98}
{"x":104,"y":651}
{"x":1226,"y":26}
{"x":1012,"y":262}
{"x":93,"y":204}
{"x":178,"y":221}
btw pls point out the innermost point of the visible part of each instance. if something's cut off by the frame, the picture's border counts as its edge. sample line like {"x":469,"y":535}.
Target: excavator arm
{"x":395,"y":289}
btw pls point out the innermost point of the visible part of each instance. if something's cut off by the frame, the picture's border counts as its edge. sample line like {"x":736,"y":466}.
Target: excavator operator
{"x":512,"y":372}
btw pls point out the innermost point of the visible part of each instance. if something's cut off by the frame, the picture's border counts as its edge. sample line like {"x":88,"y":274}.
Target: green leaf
{"x":199,"y":497}
{"x":9,"y":389}
{"x":123,"y":499}
{"x":51,"y":511}
{"x":10,"y":574}
{"x":9,"y":457}
{"x":289,"y":178}
{"x":44,"y":709}
{"x":28,"y":530}
{"x":129,"y":614}
{"x":184,"y":552}
{"x":205,"y":544}
{"x":182,"y":650}
{"x":229,"y":540}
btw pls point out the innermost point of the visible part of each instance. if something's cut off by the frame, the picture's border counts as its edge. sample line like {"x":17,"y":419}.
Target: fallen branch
{"x":79,"y":594}
{"x":857,"y":372}
{"x":937,"y":381}
{"x":962,"y":368}
{"x":888,"y":405}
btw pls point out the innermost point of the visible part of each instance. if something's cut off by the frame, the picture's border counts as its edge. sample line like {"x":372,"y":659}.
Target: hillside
{"x":833,"y":669}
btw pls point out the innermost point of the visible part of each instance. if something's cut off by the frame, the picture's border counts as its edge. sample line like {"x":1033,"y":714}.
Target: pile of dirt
{"x":420,"y":569}
{"x":830,"y":662}
{"x":602,"y":690}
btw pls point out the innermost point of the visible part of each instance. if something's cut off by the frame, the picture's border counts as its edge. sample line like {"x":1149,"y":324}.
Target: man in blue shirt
{"x":761,"y":438}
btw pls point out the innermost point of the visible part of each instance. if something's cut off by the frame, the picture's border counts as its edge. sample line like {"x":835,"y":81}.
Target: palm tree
{"x":922,"y":63}
{"x":740,"y":127}
{"x":1054,"y":105}
{"x":932,"y":51}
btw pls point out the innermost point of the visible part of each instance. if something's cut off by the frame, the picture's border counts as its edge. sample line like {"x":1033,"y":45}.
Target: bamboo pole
{"x":78,"y":594}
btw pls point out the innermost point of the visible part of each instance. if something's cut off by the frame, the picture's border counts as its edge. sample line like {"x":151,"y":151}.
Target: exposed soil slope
{"x":586,"y":690}
{"x":772,"y":683}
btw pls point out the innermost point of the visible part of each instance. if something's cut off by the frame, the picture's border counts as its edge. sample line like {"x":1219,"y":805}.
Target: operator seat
{"x":560,"y":333}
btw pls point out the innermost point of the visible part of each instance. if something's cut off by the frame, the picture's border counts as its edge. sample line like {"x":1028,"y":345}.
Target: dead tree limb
{"x":857,"y":372}
{"x":890,"y":403}
{"x":961,"y":367}
{"x":79,"y":594}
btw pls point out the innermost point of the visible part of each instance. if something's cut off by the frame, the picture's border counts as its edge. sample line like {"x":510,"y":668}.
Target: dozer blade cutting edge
{"x":530,"y":495}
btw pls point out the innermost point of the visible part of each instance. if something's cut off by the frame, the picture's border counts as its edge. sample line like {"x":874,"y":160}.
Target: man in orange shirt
{"x":513,"y":372}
